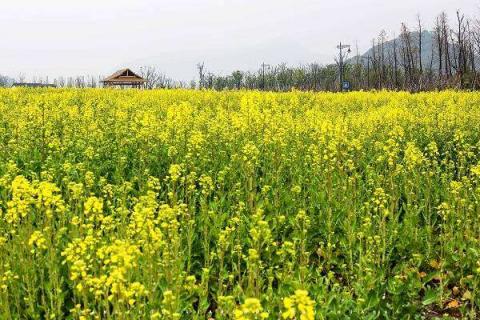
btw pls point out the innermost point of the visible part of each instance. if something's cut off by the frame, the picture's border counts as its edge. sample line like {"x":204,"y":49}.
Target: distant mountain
{"x":428,"y":43}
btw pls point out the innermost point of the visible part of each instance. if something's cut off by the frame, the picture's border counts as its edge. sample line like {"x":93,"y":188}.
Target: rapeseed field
{"x":182,"y":204}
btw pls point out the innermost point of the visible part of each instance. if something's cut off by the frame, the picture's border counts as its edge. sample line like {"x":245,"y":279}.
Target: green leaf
{"x":430,"y":297}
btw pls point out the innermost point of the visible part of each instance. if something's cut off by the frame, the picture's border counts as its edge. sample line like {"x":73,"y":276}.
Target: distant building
{"x":124,"y":78}
{"x":33,"y":85}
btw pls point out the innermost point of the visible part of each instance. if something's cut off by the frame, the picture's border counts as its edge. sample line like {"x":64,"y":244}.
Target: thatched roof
{"x":124,"y":76}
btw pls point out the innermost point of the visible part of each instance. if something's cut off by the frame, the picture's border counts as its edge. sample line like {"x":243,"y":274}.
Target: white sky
{"x":72,"y":37}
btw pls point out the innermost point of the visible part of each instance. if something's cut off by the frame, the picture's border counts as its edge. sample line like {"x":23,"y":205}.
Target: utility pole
{"x":341,"y":57}
{"x":263,"y":74}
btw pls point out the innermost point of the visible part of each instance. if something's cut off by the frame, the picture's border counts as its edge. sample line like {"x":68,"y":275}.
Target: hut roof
{"x":124,"y":76}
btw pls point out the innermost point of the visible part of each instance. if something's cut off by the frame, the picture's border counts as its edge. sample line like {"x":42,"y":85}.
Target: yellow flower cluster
{"x":7,"y":277}
{"x":38,"y":242}
{"x":184,"y":204}
{"x":251,"y":309}
{"x":43,"y":196}
{"x":22,"y":199}
{"x":299,"y":306}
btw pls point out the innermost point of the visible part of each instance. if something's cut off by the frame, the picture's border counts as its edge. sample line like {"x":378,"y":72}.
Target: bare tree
{"x":382,"y":38}
{"x":21,"y":77}
{"x":154,"y":78}
{"x":395,"y":62}
{"x":93,"y":82}
{"x":460,"y":49}
{"x":407,"y":55}
{"x":61,"y":82}
{"x":420,"y":65}
{"x":470,"y":53}
{"x":79,"y":82}
{"x":201,"y":74}
{"x":70,"y":82}
{"x":209,"y":80}
{"x":439,"y":40}
{"x":5,"y":81}
{"x":237,"y":78}
{"x":446,"y":44}
{"x":475,"y":47}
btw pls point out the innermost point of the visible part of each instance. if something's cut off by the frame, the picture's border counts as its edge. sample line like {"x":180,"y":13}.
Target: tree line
{"x":402,"y":63}
{"x":446,"y":56}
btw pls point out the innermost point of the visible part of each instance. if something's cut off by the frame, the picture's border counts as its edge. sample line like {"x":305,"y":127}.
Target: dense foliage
{"x":192,"y":204}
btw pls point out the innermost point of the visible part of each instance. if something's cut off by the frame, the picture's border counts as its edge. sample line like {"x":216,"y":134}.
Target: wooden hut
{"x":124,"y":78}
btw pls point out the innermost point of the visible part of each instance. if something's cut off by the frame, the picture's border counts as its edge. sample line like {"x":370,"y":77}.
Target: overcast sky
{"x":71,"y":37}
